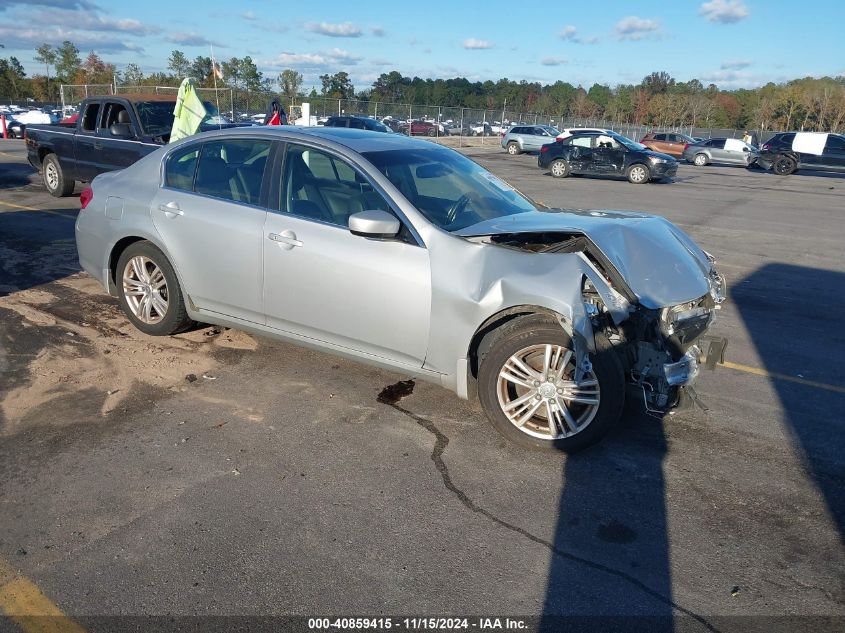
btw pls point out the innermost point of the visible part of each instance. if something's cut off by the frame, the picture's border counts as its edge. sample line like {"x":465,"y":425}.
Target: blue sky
{"x":733,"y":43}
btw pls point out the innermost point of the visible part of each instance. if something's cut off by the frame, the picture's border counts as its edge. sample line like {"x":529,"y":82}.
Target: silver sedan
{"x":727,"y":151}
{"x":407,"y":255}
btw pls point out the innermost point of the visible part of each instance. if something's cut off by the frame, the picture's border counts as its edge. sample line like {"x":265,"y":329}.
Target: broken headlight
{"x":686,"y":321}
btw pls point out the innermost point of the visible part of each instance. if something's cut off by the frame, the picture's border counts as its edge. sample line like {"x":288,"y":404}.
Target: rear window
{"x":89,"y":119}
{"x":180,"y":167}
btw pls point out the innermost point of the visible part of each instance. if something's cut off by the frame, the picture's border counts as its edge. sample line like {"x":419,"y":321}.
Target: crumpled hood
{"x":660,"y":263}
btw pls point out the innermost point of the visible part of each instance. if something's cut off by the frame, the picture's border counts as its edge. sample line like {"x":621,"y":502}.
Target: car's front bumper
{"x":664,"y":170}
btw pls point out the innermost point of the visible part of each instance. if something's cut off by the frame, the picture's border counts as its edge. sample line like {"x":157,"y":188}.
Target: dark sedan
{"x":605,"y":154}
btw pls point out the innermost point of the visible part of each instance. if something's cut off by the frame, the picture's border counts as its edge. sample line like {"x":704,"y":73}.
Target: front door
{"x":212,"y":223}
{"x":608,"y":156}
{"x":323,"y":282}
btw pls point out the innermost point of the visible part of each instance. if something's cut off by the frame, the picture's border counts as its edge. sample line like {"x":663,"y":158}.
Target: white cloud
{"x":736,"y":64}
{"x":569,"y":33}
{"x":327,"y":61}
{"x":346,"y":29}
{"x":249,"y":15}
{"x":474,"y":44}
{"x":731,"y":79}
{"x":553,"y":61}
{"x":22,"y":38}
{"x":378,"y":31}
{"x":724,"y":11}
{"x":634,"y":28}
{"x":192,"y":39}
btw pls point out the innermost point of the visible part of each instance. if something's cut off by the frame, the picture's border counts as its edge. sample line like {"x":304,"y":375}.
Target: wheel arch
{"x":125,"y":242}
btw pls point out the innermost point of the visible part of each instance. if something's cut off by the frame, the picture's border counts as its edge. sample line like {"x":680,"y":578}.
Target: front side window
{"x":582,"y":141}
{"x":450,"y":190}
{"x":319,"y":186}
{"x":232,"y":169}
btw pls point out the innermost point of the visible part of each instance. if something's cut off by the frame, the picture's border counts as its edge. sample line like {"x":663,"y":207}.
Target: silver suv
{"x":528,"y":138}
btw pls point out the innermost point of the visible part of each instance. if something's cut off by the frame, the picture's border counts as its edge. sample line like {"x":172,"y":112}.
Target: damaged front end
{"x":662,"y":347}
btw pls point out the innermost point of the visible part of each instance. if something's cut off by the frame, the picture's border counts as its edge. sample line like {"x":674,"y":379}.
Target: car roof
{"x":360,"y":141}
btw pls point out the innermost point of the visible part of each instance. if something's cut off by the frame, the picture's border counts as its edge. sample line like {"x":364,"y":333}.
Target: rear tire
{"x":513,"y":148}
{"x":700,"y":160}
{"x":638,"y":174}
{"x":594,"y":421}
{"x":145,"y":277}
{"x":54,"y":178}
{"x":559,"y":168}
{"x":784,"y":165}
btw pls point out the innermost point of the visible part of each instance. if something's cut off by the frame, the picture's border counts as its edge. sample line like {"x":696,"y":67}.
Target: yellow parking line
{"x":775,"y":376}
{"x":12,"y":205}
{"x":24,"y":602}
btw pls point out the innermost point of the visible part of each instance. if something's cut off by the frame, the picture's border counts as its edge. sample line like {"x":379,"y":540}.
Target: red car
{"x":422,"y":128}
{"x":69,"y":120}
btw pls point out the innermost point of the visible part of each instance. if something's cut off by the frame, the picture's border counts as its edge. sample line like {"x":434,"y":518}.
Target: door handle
{"x":287,"y":239}
{"x":98,"y":145}
{"x":171,"y":209}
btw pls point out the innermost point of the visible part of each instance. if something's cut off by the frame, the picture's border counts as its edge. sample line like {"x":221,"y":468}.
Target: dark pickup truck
{"x":112,"y":132}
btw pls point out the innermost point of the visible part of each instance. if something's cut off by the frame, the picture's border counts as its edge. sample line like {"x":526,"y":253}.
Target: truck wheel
{"x":54,"y":178}
{"x":527,"y":388}
{"x":149,"y":292}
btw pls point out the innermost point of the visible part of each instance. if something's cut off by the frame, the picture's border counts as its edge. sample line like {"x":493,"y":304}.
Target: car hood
{"x":651,"y":152}
{"x":660,"y":263}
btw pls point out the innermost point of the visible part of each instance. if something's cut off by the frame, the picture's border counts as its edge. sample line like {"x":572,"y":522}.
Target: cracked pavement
{"x":280,"y":482}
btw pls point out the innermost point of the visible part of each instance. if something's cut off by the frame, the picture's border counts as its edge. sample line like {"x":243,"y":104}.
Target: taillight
{"x":765,"y":147}
{"x":686,"y":146}
{"x":544,"y":149}
{"x":85,"y":197}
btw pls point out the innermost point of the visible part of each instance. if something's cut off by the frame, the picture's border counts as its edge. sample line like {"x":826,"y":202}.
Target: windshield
{"x":627,"y":142}
{"x":551,"y":130}
{"x":450,"y":190}
{"x":156,"y":117}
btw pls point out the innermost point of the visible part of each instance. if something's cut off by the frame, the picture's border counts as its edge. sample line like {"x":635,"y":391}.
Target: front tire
{"x":559,"y":168}
{"x":638,"y":174}
{"x":784,"y":165}
{"x":700,"y":160}
{"x":513,"y":148}
{"x":149,"y":292}
{"x":526,"y":385}
{"x":432,"y":132}
{"x":56,"y":183}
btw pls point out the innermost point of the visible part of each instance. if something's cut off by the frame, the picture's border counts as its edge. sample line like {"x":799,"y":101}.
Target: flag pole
{"x":216,"y":94}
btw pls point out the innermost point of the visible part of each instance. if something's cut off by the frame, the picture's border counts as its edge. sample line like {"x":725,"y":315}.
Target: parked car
{"x":14,"y":128}
{"x":421,"y":128}
{"x":730,"y":151}
{"x":569,"y":131}
{"x":70,"y":120}
{"x":357,"y":122}
{"x":527,"y":138}
{"x":397,"y":125}
{"x":606,"y":154}
{"x":426,"y":263}
{"x":480,"y":128}
{"x":112,"y":133}
{"x":788,"y":152}
{"x":670,"y":143}
{"x":454,"y":128}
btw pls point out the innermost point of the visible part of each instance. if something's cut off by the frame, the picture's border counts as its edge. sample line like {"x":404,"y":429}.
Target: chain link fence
{"x":445,"y":124}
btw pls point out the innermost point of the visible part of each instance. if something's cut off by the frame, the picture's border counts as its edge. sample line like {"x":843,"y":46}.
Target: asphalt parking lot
{"x":213,"y":473}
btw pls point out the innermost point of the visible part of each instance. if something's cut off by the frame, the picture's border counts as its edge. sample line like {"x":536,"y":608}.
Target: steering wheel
{"x":457,"y":206}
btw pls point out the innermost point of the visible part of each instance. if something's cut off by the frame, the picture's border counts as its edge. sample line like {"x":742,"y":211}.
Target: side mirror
{"x":121,"y":130}
{"x":374,"y":224}
{"x":745,"y":149}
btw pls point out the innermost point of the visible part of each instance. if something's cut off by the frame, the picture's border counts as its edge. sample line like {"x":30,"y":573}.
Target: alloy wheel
{"x":538,"y":393}
{"x":51,"y":175}
{"x":145,"y":289}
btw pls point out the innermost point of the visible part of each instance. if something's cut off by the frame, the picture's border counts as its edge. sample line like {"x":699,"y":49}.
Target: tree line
{"x":658,"y":100}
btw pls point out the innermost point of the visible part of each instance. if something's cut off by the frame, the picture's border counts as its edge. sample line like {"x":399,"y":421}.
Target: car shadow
{"x":789,"y":313}
{"x":610,"y":569}
{"x":15,"y":173}
{"x":36,"y":247}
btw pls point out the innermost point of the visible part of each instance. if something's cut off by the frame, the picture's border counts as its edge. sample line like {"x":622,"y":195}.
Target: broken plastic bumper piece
{"x":684,"y":371}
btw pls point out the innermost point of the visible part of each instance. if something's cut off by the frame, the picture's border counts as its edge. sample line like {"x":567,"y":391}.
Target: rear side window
{"x":232,"y":169}
{"x":358,"y":124}
{"x":659,"y":137}
{"x":518,"y":130}
{"x":89,"y":119}
{"x":582,"y":141}
{"x":180,"y":167}
{"x":834,"y":144}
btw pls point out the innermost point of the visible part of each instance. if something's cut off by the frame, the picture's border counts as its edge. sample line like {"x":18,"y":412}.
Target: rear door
{"x":210,"y":213}
{"x":88,"y":145}
{"x":117,"y":153}
{"x":717,"y":150}
{"x":608,"y":156}
{"x":833,"y":157}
